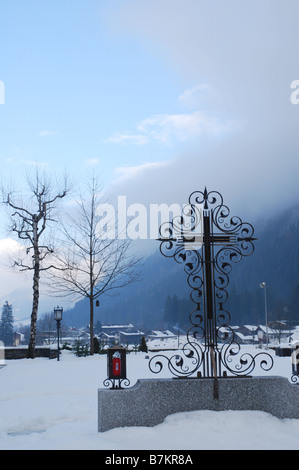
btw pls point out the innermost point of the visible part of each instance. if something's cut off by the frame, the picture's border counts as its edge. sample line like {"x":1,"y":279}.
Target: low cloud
{"x":11,"y":279}
{"x":193,"y":97}
{"x":171,"y":128}
{"x":129,"y":172}
{"x":239,"y":131}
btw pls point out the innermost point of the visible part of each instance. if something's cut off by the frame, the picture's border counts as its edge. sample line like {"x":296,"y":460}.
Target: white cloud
{"x":9,"y":245}
{"x":182,"y":127}
{"x":127,"y":138}
{"x":10,"y":278}
{"x":171,"y":128}
{"x":192,"y":97}
{"x":92,"y":161}
{"x":16,"y":286}
{"x":46,"y":133}
{"x":128,"y":172}
{"x":241,"y":55}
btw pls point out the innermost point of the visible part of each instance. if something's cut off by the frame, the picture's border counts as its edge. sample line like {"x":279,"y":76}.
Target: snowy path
{"x":45,"y":404}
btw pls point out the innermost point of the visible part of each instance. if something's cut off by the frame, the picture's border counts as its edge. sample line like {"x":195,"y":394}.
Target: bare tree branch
{"x":29,"y":222}
{"x":91,"y":265}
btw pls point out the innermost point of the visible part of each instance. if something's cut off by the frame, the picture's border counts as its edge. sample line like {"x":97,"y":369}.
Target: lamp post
{"x":58,"y":317}
{"x":263,"y":286}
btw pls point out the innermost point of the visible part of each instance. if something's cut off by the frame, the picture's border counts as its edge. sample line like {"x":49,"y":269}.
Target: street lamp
{"x":58,"y":317}
{"x":263,"y":286}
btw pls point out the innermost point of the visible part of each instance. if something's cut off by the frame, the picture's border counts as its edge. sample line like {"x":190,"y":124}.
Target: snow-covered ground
{"x":46,"y":404}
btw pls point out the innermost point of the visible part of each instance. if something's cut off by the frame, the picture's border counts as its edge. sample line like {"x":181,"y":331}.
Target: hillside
{"x":275,"y":261}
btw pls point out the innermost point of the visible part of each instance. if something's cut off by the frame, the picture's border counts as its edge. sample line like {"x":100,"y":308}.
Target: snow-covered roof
{"x":244,"y":337}
{"x":117,"y":326}
{"x":106,"y":335}
{"x":161,"y":334}
{"x":169,"y":333}
{"x":131,"y":333}
{"x":265,"y":329}
{"x":251,"y":327}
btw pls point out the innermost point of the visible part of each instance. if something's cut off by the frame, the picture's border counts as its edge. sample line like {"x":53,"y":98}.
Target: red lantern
{"x":116,"y":365}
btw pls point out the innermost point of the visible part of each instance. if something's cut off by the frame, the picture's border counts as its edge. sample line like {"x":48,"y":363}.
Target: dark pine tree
{"x":6,"y":325}
{"x":143,"y":346}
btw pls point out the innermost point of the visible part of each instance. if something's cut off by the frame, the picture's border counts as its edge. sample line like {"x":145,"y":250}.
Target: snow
{"x":46,"y":404}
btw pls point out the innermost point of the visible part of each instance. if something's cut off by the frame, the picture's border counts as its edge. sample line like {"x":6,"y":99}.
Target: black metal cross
{"x":207,"y":241}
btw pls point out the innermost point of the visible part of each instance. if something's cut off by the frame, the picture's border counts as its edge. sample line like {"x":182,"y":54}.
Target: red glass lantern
{"x":116,"y":367}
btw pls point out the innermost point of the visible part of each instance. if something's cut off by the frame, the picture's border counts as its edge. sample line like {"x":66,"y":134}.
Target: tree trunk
{"x":91,"y":279}
{"x":26,"y":219}
{"x":32,"y":342}
{"x":91,"y":325}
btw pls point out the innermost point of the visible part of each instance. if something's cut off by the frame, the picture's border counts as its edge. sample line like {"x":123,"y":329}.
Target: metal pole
{"x":266,"y":316}
{"x":263,"y":286}
{"x":58,"y":327}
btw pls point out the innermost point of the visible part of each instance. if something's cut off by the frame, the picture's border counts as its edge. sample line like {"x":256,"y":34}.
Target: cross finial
{"x":205,"y":196}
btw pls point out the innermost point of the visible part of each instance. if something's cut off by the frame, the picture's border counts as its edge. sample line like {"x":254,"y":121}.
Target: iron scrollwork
{"x":295,"y":364}
{"x":116,"y":383}
{"x":207,"y":241}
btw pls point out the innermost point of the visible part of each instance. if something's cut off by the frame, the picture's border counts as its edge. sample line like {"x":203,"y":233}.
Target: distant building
{"x":164,"y":340}
{"x":113,"y":329}
{"x":162,"y":335}
{"x":132,"y":337}
{"x":120,"y":334}
{"x":18,"y":338}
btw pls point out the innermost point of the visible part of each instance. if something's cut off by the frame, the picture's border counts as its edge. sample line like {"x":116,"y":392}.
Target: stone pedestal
{"x":149,"y":401}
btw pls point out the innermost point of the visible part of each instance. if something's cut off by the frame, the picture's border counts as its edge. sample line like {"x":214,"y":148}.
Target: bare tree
{"x":29,"y":220}
{"x":46,"y":328}
{"x":91,"y":264}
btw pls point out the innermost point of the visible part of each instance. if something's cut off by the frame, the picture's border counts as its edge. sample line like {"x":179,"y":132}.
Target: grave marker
{"x":207,"y":241}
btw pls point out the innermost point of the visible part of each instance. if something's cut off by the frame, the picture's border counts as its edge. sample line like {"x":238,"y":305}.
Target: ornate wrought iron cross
{"x":207,"y":241}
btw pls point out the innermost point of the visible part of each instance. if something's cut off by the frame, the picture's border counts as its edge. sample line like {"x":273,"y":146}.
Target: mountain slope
{"x":275,"y":261}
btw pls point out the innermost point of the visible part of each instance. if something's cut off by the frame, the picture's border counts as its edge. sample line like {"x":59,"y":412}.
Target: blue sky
{"x":158,"y":97}
{"x":131,"y":88}
{"x":73,"y":89}
{"x":81,"y":90}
